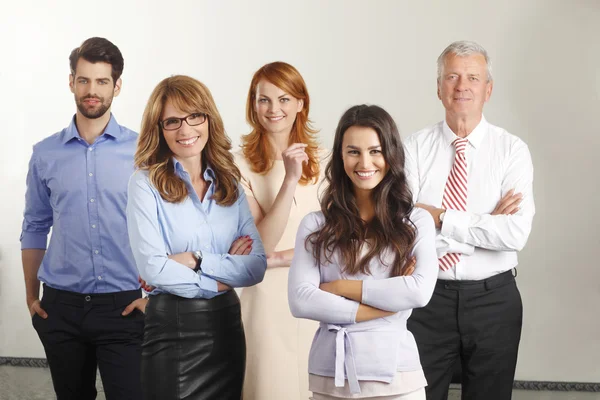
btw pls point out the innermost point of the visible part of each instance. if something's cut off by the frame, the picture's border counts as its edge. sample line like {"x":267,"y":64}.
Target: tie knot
{"x":460,"y":144}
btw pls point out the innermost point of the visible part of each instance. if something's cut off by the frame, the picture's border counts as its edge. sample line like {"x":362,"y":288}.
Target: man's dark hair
{"x":98,"y":49}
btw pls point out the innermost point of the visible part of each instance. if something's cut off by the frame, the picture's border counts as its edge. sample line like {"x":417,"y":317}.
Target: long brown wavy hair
{"x":344,"y":231}
{"x":256,"y":146}
{"x":153,"y":154}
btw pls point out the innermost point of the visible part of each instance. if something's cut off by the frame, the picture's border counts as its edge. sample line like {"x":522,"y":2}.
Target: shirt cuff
{"x":208,"y":284}
{"x":210,"y":264}
{"x":456,"y":225}
{"x":31,"y":240}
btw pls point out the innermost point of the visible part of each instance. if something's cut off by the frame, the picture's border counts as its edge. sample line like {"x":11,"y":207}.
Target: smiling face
{"x":276,"y":110}
{"x":363,"y":158}
{"x":463,"y":86}
{"x":185,"y":142}
{"x":93,"y":88}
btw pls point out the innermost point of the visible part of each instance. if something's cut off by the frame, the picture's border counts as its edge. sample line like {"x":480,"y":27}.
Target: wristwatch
{"x":198,"y":256}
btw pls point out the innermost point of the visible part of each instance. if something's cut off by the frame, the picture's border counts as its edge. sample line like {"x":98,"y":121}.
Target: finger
{"x":510,"y":204}
{"x":296,"y":154}
{"x":248,"y":250}
{"x":41,"y":312}
{"x":244,"y":247}
{"x":295,"y":146}
{"x":412,"y":262}
{"x":238,"y":243}
{"x":128,"y":309}
{"x":409,"y":271}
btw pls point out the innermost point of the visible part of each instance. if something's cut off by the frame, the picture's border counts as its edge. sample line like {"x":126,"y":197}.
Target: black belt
{"x":483,"y":284}
{"x":166,"y":301}
{"x":117,"y":299}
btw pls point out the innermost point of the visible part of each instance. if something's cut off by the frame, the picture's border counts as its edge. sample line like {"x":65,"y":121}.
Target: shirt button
{"x":92,"y":200}
{"x":90,"y":174}
{"x":100,"y":278}
{"x":90,"y":148}
{"x":94,"y":226}
{"x":96,"y":251}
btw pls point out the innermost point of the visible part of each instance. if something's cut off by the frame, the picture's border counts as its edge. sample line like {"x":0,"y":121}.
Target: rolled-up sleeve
{"x":149,"y":250}
{"x":239,"y":270}
{"x":37,"y":218}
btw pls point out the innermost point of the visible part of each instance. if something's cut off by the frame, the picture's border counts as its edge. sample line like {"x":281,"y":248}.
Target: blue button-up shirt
{"x":80,"y":191}
{"x":158,"y":228}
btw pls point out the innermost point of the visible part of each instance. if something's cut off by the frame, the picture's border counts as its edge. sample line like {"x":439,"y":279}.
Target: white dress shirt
{"x":496,"y":162}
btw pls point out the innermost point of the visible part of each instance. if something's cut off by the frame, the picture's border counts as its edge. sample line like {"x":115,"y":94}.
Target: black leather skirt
{"x":193,"y":349}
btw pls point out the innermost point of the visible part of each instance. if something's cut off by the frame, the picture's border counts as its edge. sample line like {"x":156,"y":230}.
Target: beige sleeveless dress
{"x":277,"y":343}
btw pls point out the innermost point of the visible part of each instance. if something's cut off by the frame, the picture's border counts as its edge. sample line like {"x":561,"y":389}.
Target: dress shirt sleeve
{"x":499,"y":232}
{"x":402,"y":293}
{"x":444,"y":245}
{"x":149,"y":249}
{"x":37,"y":218}
{"x":305,"y":298}
{"x":234,"y":270}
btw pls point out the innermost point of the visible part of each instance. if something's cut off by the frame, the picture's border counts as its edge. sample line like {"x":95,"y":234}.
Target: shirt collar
{"x":209,"y":173}
{"x":113,"y":129}
{"x":475,"y":137}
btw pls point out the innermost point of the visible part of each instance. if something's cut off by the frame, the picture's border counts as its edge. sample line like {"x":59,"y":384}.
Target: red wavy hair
{"x":256,"y":146}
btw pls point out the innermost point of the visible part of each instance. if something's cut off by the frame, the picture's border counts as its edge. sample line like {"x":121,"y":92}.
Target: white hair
{"x":464,"y":48}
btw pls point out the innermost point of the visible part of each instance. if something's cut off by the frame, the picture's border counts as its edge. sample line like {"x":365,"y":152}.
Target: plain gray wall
{"x":546,"y":57}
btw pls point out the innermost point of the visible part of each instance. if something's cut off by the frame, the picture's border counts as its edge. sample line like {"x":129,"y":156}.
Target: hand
{"x":409,"y":267}
{"x":330,"y":287}
{"x":145,"y":286}
{"x":509,"y":204}
{"x":140,"y":304}
{"x":242,"y":246}
{"x":434,"y":211}
{"x":186,"y":259}
{"x":36,"y":308}
{"x":293,"y":159}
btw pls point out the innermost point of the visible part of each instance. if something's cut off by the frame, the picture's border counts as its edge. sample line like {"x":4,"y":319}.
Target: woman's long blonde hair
{"x":153,"y":154}
{"x":256,"y":146}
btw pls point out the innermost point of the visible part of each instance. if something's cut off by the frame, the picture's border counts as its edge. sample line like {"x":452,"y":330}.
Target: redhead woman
{"x":280,"y":164}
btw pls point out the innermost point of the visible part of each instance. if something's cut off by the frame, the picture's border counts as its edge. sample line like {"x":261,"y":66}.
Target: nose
{"x":273,"y":106}
{"x":365,"y":160}
{"x":461,"y":84}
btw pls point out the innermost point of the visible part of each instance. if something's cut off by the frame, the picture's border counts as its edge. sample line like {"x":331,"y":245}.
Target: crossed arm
{"x":350,"y":301}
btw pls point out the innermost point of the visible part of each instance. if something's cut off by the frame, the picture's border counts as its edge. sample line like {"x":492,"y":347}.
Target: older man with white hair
{"x":476,"y":181}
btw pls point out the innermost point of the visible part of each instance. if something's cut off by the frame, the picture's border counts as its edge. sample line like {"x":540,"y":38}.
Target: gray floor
{"x":22,"y":383}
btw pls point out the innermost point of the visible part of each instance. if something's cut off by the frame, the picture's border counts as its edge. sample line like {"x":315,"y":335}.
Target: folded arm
{"x":239,"y":270}
{"x":149,"y":250}
{"x":500,"y":232}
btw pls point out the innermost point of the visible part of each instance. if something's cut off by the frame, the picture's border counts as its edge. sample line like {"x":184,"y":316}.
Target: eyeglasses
{"x":174,"y":123}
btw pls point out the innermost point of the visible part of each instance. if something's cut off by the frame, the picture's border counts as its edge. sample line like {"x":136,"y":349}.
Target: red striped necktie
{"x":455,"y":194}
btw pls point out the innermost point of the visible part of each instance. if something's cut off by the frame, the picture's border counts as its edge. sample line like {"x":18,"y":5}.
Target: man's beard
{"x":93,"y":113}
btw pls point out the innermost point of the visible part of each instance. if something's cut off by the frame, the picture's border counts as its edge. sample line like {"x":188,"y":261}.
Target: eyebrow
{"x":267,"y":97}
{"x":89,"y":79}
{"x":358,"y":148}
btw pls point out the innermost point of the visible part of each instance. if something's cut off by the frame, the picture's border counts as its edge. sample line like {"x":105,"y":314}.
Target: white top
{"x":365,"y":351}
{"x":496,"y":162}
